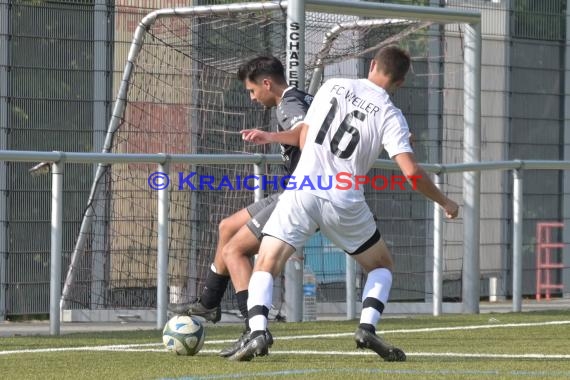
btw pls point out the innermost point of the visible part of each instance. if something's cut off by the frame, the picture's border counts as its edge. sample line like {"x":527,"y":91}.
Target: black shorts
{"x":260,"y":213}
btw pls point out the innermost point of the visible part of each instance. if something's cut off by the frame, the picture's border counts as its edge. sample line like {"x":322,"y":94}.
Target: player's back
{"x":350,"y":121}
{"x":289,"y":112}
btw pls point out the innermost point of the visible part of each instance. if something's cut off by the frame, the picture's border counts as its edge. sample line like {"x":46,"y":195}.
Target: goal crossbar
{"x":383,"y":10}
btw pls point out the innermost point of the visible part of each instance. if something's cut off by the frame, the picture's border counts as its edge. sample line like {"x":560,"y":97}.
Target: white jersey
{"x":350,"y":122}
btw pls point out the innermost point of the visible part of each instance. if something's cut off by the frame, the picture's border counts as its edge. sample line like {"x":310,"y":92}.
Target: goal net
{"x":179,"y":94}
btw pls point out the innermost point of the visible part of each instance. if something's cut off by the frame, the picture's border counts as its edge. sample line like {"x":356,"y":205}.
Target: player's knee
{"x":232,"y":251}
{"x":235,"y":250}
{"x":226,"y":228}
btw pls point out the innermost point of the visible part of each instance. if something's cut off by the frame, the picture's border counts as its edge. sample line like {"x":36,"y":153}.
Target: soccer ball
{"x":183,"y":335}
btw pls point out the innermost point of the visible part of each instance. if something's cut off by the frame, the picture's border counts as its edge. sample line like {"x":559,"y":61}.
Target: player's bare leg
{"x":207,"y":305}
{"x":238,"y":252}
{"x":228,"y":228}
{"x":377,"y":262}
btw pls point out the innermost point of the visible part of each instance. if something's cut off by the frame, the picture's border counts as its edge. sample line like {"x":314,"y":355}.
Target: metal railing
{"x":59,"y":159}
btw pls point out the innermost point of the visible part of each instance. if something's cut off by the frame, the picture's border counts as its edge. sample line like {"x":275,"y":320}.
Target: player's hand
{"x":255,"y":136}
{"x":451,"y":209}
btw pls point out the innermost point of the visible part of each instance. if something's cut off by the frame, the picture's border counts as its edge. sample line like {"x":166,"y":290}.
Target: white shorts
{"x":299,"y":214}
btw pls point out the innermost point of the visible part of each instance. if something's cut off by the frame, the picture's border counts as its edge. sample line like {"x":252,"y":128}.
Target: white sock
{"x":377,"y":286}
{"x":260,"y":294}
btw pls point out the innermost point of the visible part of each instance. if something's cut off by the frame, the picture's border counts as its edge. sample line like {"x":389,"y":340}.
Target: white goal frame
{"x":471,"y":120}
{"x":295,"y":73}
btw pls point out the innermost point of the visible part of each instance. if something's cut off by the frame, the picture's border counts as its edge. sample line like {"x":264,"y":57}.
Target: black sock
{"x":242,"y":305}
{"x":214,"y":289}
{"x":368,"y":327}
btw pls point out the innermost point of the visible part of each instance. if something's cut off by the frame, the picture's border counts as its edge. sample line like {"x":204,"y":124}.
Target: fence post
{"x":472,"y":179}
{"x":56,"y":236}
{"x":437,"y":252}
{"x":259,"y":190}
{"x":5,"y":10}
{"x":350,"y":288}
{"x":517,"y":239}
{"x":162,"y":251}
{"x":566,"y":175}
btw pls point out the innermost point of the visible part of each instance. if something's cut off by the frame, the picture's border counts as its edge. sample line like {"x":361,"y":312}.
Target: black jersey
{"x":291,"y":110}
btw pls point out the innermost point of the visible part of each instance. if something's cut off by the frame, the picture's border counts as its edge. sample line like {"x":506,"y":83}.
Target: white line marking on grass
{"x":115,"y":347}
{"x":372,"y":371}
{"x":478,"y":327}
{"x":149,"y":348}
{"x":140,"y":347}
{"x":489,"y":356}
{"x":428,"y":354}
{"x":426,"y":329}
{"x":409,"y":331}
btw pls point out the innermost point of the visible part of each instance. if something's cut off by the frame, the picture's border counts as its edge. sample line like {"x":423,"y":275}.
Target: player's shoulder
{"x":294,"y":95}
{"x":339,"y":85}
{"x":340,"y":80}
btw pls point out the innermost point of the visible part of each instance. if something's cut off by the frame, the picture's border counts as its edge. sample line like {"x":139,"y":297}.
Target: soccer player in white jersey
{"x":346,"y":128}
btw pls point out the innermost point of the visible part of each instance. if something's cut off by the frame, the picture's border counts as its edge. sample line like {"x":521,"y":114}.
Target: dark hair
{"x":262,"y":66}
{"x":393,"y":61}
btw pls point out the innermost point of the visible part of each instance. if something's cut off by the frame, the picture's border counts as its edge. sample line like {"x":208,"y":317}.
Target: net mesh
{"x":183,"y":97}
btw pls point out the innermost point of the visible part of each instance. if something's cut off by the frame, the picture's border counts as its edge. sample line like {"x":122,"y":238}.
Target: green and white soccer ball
{"x":183,"y":335}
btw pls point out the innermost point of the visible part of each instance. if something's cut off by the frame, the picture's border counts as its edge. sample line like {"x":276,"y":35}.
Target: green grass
{"x":315,"y":358}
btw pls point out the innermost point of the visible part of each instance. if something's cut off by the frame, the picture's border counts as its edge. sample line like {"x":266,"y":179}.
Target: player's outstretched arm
{"x":423,"y":183}
{"x":294,"y":137}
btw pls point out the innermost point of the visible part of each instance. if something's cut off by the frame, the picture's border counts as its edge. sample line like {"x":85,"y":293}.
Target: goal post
{"x":472,"y":116}
{"x":178,"y":93}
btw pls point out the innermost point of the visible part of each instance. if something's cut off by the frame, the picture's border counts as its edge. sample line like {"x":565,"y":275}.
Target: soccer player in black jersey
{"x":240,"y":234}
